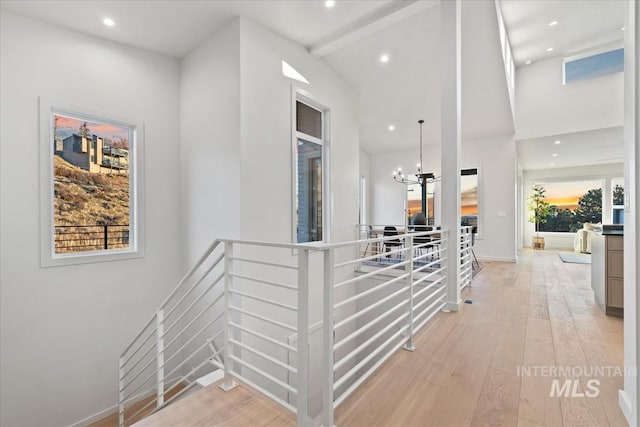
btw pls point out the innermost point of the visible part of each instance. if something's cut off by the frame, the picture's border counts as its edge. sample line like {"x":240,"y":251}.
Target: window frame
{"x":48,"y":257}
{"x":480,"y":229}
{"x":298,"y":94}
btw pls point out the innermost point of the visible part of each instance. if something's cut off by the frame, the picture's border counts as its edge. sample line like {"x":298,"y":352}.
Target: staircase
{"x":304,"y":325}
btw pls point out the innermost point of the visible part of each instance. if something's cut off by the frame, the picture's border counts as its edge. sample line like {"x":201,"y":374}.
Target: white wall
{"x":388,"y":198}
{"x":210,"y":140}
{"x":629,"y":398}
{"x":581,"y":173}
{"x":544,"y":106}
{"x":267,"y":136}
{"x":64,"y":327}
{"x":496,"y":159}
{"x":365,"y":171}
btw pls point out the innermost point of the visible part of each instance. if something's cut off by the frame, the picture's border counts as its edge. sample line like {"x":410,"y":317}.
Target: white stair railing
{"x":238,"y":307}
{"x":466,"y":265}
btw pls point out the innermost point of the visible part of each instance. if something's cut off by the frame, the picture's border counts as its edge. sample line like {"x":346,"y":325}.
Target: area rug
{"x":574,"y":257}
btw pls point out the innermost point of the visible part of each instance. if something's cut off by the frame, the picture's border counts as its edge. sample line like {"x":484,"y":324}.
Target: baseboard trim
{"x":625,"y":404}
{"x":497,"y":259}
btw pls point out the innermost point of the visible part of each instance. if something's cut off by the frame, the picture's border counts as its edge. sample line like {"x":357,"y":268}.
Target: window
{"x":414,"y":201}
{"x":309,"y":173}
{"x":617,"y":191}
{"x":89,"y":209}
{"x":592,"y":66}
{"x":571,"y":204}
{"x":470,"y":196}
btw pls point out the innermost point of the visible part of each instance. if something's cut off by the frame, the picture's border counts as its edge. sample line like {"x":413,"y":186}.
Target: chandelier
{"x":421,"y":178}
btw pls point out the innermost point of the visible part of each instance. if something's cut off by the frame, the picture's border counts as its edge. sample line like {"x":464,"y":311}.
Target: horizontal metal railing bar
{"x":149,"y":403}
{"x":153,"y":359}
{"x":263,"y":318}
{"x":428,"y":265}
{"x":427,"y":287}
{"x":358,"y":314}
{"x":178,"y":366}
{"x":429,"y":243}
{"x":264,"y":300}
{"x":141,"y":395}
{"x":195,"y":285}
{"x":366,"y":326}
{"x":431,"y":253}
{"x":263,"y":391}
{"x":366,"y":375}
{"x":358,"y":260}
{"x":141,"y":384}
{"x":429,"y":307}
{"x":176,"y":396}
{"x":431,"y":274}
{"x":368,"y":342}
{"x":193,"y":303}
{"x":371,"y":274}
{"x":192,"y":321}
{"x":338,"y":383}
{"x":146,"y":326}
{"x":419,"y":326}
{"x":369,"y":291}
{"x":193,"y":336}
{"x":266,"y":282}
{"x":151,"y":335}
{"x":264,"y":337}
{"x":428,"y":298}
{"x":193,"y":269}
{"x":264,"y":356}
{"x":264,"y":374}
{"x":271,"y":264}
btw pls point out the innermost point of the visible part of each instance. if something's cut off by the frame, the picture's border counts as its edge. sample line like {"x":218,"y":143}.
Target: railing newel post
{"x":303,"y":339}
{"x":408,"y":268}
{"x":227,"y":383}
{"x":328,"y":339}
{"x":121,"y":391}
{"x":160,"y":357}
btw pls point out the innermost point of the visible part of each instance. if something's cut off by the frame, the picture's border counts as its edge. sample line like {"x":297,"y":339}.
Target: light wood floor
{"x":464,"y":372}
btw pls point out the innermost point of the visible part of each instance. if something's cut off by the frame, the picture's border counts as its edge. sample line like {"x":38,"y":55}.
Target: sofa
{"x":582,"y":241}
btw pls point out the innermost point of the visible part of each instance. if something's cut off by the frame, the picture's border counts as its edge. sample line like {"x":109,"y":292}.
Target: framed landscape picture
{"x":89,"y":187}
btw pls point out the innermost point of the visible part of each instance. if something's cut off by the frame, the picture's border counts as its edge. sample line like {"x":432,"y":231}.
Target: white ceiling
{"x":355,"y":33}
{"x":582,"y":24}
{"x":593,"y":147}
{"x":407,"y":88}
{"x":174,"y":28}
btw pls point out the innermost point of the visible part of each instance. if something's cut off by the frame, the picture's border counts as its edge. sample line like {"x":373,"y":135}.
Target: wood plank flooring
{"x":464,"y":372}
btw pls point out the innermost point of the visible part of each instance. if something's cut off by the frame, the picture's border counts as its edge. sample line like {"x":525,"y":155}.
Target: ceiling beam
{"x":397,"y":12}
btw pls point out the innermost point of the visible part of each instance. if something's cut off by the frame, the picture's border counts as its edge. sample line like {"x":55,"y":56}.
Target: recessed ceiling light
{"x":392,"y":127}
{"x":384,"y":58}
{"x":527,"y":62}
{"x":549,"y":49}
{"x":553,"y":23}
{"x":623,"y":28}
{"x":552,"y":164}
{"x":330,"y":3}
{"x":108,"y":22}
{"x":557,"y":142}
{"x":554,"y":155}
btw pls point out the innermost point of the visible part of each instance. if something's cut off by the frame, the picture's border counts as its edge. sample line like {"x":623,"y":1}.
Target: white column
{"x":451,"y":118}
{"x":607,"y":202}
{"x":629,"y":398}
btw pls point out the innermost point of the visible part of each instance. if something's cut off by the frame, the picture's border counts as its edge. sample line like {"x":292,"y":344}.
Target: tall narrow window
{"x":469,"y":198}
{"x":309,"y":176}
{"x":617,"y":190}
{"x":89,"y":206}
